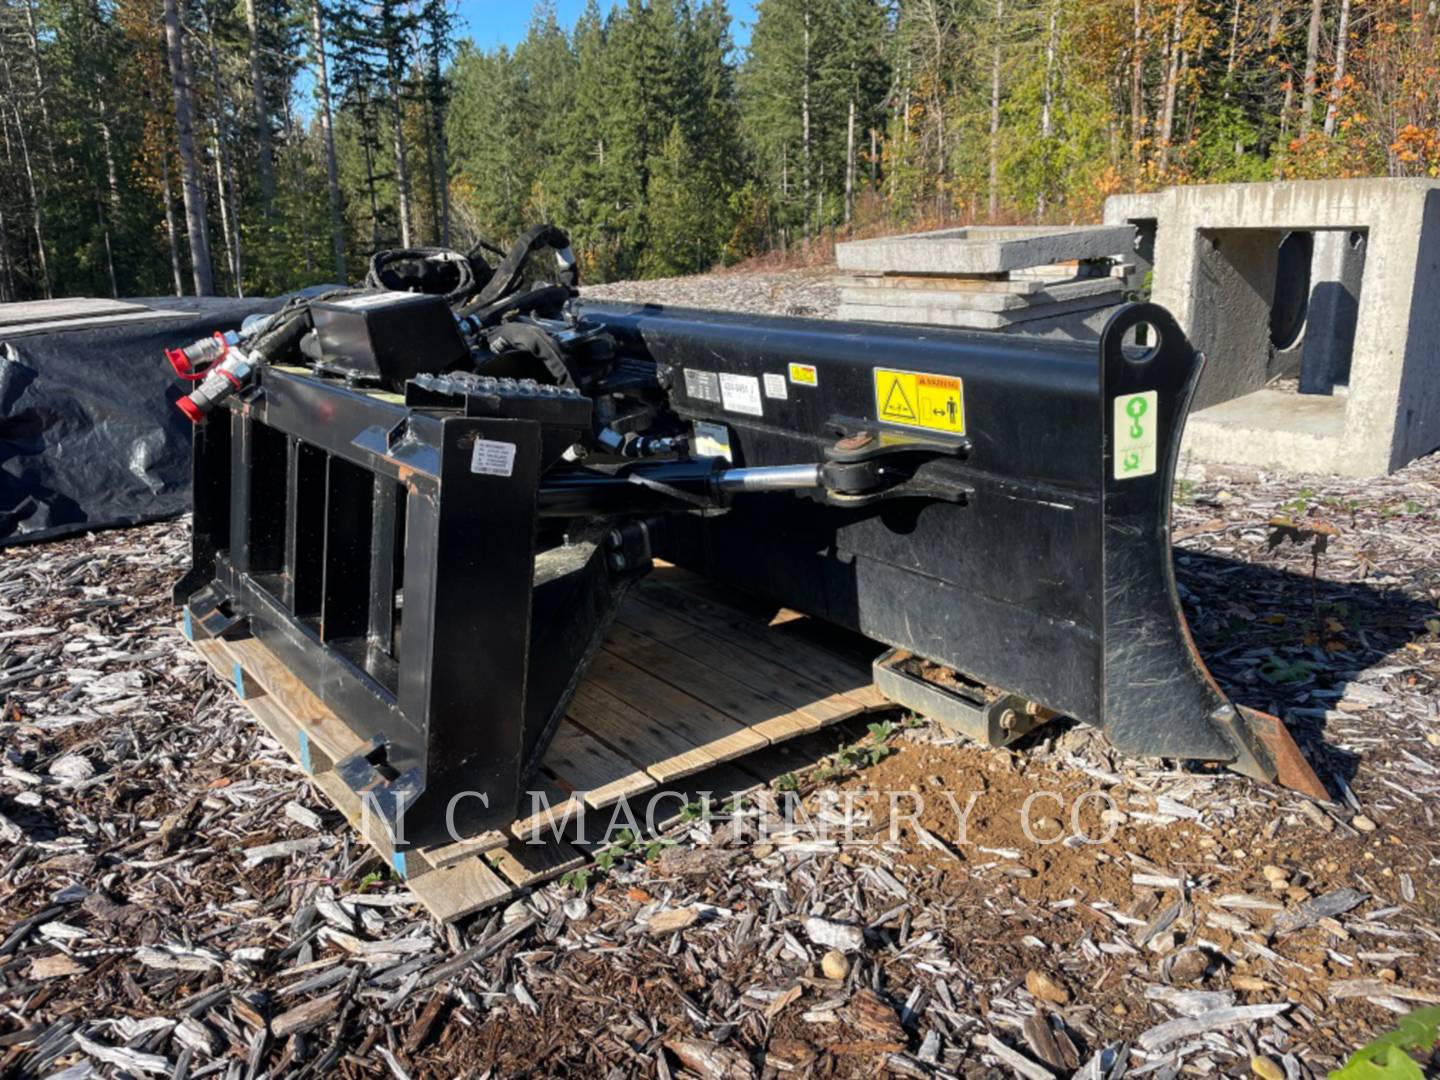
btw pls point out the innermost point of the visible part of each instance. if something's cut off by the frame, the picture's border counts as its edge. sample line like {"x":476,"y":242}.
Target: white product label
{"x":702,"y":385}
{"x":775,"y":386}
{"x":712,"y":440}
{"x":371,"y":300}
{"x":492,"y":458}
{"x":741,"y":393}
{"x":1137,"y":434}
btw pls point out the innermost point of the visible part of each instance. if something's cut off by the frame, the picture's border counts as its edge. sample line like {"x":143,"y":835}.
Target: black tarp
{"x":89,"y":434}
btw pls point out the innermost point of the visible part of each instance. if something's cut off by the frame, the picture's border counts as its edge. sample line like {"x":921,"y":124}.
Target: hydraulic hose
{"x":407,"y":270}
{"x":508,"y":274}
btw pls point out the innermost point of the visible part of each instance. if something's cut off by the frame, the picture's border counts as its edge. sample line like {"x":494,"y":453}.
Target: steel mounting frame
{"x":350,"y":535}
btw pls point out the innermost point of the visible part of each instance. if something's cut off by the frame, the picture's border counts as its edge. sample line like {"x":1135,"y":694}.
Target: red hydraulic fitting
{"x":188,"y":360}
{"x":230,"y":374}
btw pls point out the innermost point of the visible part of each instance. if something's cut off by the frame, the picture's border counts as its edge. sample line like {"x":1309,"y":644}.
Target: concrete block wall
{"x":1215,"y":269}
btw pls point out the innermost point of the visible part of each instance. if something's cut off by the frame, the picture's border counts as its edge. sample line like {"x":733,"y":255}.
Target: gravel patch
{"x":810,"y":293}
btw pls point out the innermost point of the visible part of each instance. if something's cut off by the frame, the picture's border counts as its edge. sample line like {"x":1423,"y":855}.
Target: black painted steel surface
{"x":1053,"y":580}
{"x":440,"y":573}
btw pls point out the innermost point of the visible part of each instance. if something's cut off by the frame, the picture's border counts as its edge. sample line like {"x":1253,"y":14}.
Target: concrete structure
{"x":1141,"y":211}
{"x":1043,"y":281}
{"x":1337,"y":270}
{"x":1368,"y":361}
{"x":980,"y":250}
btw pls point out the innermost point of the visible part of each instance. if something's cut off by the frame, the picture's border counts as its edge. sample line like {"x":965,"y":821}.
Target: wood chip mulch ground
{"x":177,"y":899}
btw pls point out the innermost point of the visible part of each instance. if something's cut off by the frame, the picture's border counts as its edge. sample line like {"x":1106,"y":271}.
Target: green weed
{"x":1388,"y":1057}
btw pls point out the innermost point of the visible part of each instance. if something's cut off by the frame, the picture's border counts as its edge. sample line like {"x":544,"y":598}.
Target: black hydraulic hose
{"x":485,"y":245}
{"x":545,"y":300}
{"x":388,"y":270}
{"x":526,"y":337}
{"x":507,"y":276}
{"x":291,"y":323}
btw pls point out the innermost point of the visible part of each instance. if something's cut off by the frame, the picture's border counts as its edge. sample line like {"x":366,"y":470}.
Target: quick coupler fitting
{"x":188,"y":360}
{"x":222,"y":380}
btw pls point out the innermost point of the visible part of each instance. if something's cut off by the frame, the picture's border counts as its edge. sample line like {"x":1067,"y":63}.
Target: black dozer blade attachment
{"x":1051,"y":577}
{"x":439,"y":573}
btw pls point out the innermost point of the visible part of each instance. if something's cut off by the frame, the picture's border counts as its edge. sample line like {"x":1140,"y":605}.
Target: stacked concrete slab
{"x":1034,"y":280}
{"x":1359,"y":392}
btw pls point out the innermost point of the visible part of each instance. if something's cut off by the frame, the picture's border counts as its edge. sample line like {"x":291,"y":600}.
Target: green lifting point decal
{"x":1137,"y":434}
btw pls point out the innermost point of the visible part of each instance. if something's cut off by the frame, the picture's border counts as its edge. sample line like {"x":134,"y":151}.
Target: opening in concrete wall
{"x":1143,"y":251}
{"x":1312,"y":314}
{"x":1337,"y":275}
{"x":1277,"y":310}
{"x":1291,"y":298}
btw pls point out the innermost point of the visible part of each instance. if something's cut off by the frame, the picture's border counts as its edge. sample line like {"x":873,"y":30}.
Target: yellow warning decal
{"x":804,"y":375}
{"x":914,"y":398}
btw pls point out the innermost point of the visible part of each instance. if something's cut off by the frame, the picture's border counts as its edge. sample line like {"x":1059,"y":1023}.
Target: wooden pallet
{"x":695,"y":690}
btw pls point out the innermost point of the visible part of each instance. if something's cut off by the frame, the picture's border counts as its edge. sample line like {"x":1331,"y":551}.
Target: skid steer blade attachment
{"x":1045,"y":573}
{"x":435,"y":547}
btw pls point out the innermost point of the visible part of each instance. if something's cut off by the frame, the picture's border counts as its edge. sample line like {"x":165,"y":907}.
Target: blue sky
{"x":503,"y":22}
{"x":490,"y":23}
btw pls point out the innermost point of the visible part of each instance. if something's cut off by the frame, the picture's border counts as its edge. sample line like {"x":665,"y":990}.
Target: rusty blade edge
{"x":1292,"y":770}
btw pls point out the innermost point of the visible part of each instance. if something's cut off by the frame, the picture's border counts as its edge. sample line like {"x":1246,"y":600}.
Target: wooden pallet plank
{"x":582,"y":763}
{"x":460,"y":889}
{"x":836,"y":673}
{"x":789,"y":636}
{"x":757,"y":711}
{"x":211,"y":652}
{"x":678,"y":702}
{"x":526,"y":865}
{"x":549,"y":808}
{"x":621,"y":726}
{"x":324,"y":731}
{"x":445,"y":854}
{"x":271,"y":714}
{"x":847,"y":645}
{"x":410,"y":862}
{"x":758,"y":672}
{"x":663,"y":808}
{"x":265,"y":709}
{"x":704,"y":727}
{"x":796,"y":755}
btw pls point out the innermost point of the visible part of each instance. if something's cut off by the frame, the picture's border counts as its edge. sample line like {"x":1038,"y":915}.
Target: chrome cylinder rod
{"x":769,"y":478}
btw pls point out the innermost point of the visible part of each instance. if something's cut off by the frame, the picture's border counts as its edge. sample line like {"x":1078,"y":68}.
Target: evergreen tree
{"x":485,"y":129}
{"x":437,"y":18}
{"x":547,"y":68}
{"x":394,"y":24}
{"x":358,"y":73}
{"x":680,"y":226}
{"x":135,"y":135}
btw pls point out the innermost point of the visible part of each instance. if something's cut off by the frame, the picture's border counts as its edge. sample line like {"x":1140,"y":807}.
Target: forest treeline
{"x":254,"y":146}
